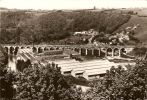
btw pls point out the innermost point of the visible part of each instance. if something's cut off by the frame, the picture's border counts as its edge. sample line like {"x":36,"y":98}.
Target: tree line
{"x":20,"y":27}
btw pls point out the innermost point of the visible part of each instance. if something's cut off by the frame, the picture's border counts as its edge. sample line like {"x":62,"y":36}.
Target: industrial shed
{"x":89,"y":69}
{"x":97,"y":73}
{"x":73,"y":66}
{"x":70,"y":68}
{"x":92,"y":68}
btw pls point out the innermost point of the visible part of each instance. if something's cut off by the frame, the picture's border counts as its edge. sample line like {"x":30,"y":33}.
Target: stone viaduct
{"x":84,"y":50}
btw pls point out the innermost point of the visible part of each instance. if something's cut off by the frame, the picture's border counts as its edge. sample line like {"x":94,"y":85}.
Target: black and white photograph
{"x":73,"y":49}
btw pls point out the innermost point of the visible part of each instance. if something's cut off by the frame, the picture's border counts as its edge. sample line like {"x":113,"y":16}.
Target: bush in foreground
{"x":122,"y":85}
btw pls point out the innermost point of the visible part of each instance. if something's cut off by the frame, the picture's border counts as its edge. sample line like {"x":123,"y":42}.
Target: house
{"x":128,"y":28}
{"x":77,"y":33}
{"x":81,"y":33}
{"x":84,"y":32}
{"x":135,"y":27}
{"x":126,"y":37}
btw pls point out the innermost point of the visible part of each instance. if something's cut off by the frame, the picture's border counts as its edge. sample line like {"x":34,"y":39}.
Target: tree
{"x":18,"y":34}
{"x":18,"y":26}
{"x":3,"y":57}
{"x":43,"y":83}
{"x":5,"y":77}
{"x":119,"y":84}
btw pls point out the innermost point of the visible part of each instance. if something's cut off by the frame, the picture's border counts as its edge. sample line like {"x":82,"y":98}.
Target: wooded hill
{"x":27,"y":28}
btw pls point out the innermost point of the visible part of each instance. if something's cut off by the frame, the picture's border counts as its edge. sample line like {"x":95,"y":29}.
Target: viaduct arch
{"x":84,"y":50}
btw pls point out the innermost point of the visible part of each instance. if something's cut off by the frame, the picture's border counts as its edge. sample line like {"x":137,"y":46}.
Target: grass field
{"x":141,"y":32}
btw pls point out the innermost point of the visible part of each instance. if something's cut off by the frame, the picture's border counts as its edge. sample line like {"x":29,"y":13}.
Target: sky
{"x":71,"y":4}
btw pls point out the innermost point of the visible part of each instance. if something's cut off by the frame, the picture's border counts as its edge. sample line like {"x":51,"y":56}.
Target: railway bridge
{"x":92,"y":50}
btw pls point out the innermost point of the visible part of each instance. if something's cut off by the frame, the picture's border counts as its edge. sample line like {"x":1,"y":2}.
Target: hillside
{"x":141,"y":32}
{"x":26,"y":28}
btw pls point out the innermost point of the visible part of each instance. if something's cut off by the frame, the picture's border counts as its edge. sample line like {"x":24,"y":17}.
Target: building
{"x":72,"y":54}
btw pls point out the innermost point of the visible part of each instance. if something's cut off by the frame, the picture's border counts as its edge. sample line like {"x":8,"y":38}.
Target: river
{"x":12,"y":63}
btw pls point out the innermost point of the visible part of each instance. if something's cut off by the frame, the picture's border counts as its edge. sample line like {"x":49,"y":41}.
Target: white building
{"x":77,"y":33}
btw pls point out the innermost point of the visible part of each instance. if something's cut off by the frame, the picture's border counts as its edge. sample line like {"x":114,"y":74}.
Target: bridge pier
{"x":119,"y":53}
{"x":37,"y":49}
{"x":92,"y":52}
{"x":8,"y":50}
{"x":112,"y":52}
{"x":99,"y":52}
{"x":85,"y":52}
{"x":82,"y":49}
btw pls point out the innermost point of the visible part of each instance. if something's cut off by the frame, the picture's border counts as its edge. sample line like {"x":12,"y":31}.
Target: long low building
{"x":67,"y":68}
{"x":87,"y":69}
{"x":97,"y":73}
{"x":76,"y":72}
{"x":25,"y":54}
{"x":94,"y":74}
